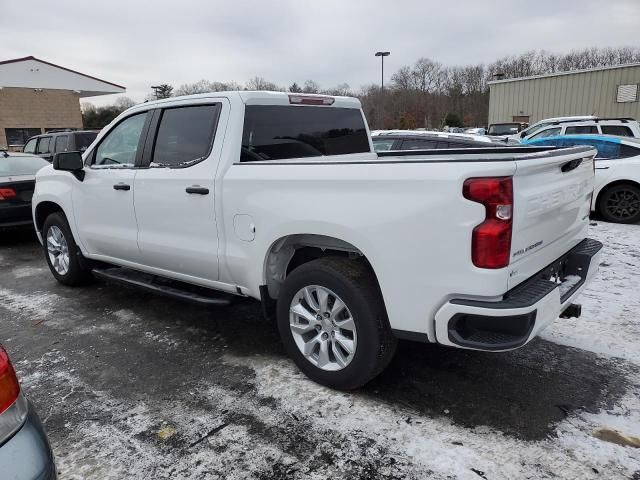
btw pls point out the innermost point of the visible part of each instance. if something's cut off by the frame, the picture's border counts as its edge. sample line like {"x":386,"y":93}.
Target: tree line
{"x":426,"y":94}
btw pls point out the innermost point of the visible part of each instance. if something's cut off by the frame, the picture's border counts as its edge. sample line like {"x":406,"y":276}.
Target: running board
{"x":162,"y":286}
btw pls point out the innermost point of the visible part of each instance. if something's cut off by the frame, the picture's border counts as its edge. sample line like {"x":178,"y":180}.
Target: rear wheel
{"x":333,"y":323}
{"x":620,"y":203}
{"x":65,"y":261}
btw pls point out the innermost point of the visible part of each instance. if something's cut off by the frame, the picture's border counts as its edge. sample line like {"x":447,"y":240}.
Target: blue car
{"x":616,"y":194}
{"x":25,"y":453}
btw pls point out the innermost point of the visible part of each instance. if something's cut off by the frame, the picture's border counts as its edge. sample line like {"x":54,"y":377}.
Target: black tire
{"x":356,"y":285}
{"x":620,"y":203}
{"x":78,"y":272}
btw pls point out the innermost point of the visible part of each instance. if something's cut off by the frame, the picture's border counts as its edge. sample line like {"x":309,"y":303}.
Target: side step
{"x":165,"y":287}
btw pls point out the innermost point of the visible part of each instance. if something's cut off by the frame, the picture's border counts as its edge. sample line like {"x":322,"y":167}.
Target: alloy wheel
{"x":58,"y":250}
{"x":323,"y":328}
{"x":623,"y":204}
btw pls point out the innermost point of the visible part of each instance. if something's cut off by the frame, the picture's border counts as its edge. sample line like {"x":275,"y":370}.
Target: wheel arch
{"x":43,"y":210}
{"x":290,"y":251}
{"x":621,"y":181}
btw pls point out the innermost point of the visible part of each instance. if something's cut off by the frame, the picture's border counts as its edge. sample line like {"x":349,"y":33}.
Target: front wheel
{"x":621,"y":204}
{"x":65,"y":261}
{"x":333,"y":322}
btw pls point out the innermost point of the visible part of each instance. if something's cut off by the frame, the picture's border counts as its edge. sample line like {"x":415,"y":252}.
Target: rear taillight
{"x":13,"y":405}
{"x":491,"y":240}
{"x":7,"y":193}
{"x":9,"y":386}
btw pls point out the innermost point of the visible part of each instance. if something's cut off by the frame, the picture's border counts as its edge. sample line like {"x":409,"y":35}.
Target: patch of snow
{"x":36,"y":306}
{"x":22,"y":272}
{"x":610,"y":323}
{"x":429,"y":444}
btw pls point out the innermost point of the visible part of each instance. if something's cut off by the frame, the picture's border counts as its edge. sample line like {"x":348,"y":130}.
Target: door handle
{"x":198,"y":190}
{"x":121,"y":186}
{"x":602,"y":168}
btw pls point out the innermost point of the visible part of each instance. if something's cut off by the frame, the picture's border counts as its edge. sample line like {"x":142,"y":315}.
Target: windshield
{"x":533,"y":129}
{"x":16,"y":166}
{"x":503,"y":129}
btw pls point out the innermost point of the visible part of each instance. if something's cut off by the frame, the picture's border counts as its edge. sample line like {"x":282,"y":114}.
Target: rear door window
{"x":276,"y":132}
{"x":62,"y":143}
{"x":581,"y":130}
{"x":619,"y":130}
{"x":627,"y":151}
{"x":185,"y":135}
{"x":43,"y":145}
{"x":83,"y":140}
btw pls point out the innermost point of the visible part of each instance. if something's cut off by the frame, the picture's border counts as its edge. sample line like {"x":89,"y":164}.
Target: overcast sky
{"x":141,"y":43}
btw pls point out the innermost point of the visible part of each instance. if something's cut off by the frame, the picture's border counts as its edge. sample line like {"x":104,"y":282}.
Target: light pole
{"x":382,"y":55}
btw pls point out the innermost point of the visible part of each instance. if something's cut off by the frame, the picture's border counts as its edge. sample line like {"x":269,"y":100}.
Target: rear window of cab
{"x":278,"y":132}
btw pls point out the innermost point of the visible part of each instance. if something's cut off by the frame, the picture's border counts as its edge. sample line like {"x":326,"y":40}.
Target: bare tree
{"x":311,"y":87}
{"x":124,"y":103}
{"x":259,"y":83}
{"x":342,"y":89}
{"x":205,"y":86}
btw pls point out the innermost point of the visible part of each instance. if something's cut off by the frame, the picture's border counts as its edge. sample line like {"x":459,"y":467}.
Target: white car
{"x":622,"y":127}
{"x":616,"y":195}
{"x":281,"y":198}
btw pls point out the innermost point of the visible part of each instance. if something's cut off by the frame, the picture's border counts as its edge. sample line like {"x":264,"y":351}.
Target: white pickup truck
{"x":280,"y":197}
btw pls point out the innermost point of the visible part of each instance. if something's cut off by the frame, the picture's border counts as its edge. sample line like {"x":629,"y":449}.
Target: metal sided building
{"x":605,"y":92}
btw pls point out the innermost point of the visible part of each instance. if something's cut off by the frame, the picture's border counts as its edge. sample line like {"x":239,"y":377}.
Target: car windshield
{"x":527,"y":132}
{"x":83,"y":140}
{"x":504,"y":129}
{"x":14,"y":166}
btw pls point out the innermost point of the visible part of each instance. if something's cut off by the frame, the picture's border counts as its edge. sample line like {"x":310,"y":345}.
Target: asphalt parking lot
{"x":130,"y":385}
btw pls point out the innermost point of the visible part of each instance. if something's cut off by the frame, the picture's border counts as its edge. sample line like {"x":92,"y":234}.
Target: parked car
{"x":383,"y":143}
{"x":616,"y":195}
{"x":476,"y":130}
{"x":623,"y":127}
{"x":25,"y":453}
{"x":17,"y":182}
{"x":50,"y":143}
{"x":506,"y":129}
{"x":531,"y":129}
{"x":280,"y":197}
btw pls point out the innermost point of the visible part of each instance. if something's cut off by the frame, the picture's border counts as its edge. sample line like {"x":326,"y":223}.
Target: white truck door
{"x":175,"y":201}
{"x":103,"y":202}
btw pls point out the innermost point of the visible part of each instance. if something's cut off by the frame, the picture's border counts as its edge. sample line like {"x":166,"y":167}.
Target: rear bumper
{"x":27,"y":455}
{"x":15,"y":215}
{"x":523,"y":311}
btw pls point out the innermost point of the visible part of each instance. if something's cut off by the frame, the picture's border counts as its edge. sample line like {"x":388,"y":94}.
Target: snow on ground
{"x":610,"y":321}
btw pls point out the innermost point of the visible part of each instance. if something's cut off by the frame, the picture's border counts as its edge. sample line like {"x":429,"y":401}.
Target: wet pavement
{"x":131,"y":385}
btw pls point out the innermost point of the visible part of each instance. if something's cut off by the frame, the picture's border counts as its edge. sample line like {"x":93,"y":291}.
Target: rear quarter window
{"x":278,"y":132}
{"x":619,"y":130}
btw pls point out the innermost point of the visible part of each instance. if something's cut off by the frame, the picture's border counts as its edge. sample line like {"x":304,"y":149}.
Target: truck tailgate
{"x":552,"y":197}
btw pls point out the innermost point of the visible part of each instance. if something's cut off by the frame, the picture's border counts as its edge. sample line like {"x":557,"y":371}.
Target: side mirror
{"x":69,"y":162}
